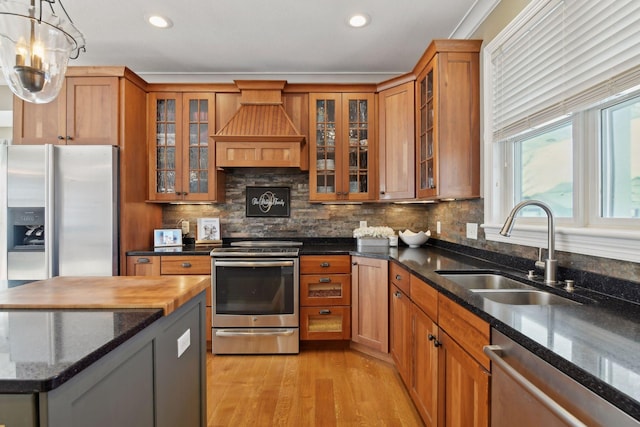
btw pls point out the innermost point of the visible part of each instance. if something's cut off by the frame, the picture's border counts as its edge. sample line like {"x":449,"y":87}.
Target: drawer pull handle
{"x":324,"y":280}
{"x":186,"y":264}
{"x":325,"y":265}
{"x":398,"y":277}
{"x":325,"y":311}
{"x":144,"y":260}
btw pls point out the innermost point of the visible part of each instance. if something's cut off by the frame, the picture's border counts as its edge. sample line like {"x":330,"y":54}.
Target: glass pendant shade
{"x":35,"y":47}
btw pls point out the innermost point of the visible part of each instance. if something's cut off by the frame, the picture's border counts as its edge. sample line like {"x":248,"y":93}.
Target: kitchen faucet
{"x":550,"y":264}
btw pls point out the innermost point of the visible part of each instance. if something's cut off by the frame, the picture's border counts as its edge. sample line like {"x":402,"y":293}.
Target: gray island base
{"x":130,"y":367}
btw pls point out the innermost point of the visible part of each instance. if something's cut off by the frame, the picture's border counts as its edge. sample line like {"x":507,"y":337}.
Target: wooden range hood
{"x":260,"y":133}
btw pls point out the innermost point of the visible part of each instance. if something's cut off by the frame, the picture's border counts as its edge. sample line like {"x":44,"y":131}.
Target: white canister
{"x":393,"y":241}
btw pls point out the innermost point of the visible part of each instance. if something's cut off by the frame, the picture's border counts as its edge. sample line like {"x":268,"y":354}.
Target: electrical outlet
{"x":363,"y":224}
{"x":185,"y":227}
{"x":472,"y":231}
{"x":438,"y":227}
{"x":184,"y":341}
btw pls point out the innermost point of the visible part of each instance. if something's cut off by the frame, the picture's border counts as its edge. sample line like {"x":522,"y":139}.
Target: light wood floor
{"x":318,"y":387}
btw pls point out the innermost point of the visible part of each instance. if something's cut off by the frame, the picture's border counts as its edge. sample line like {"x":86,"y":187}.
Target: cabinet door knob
{"x":69,"y":137}
{"x":398,"y":277}
{"x":325,"y":265}
{"x":186,"y":264}
{"x":324,"y":280}
{"x":325,"y":311}
{"x":354,"y":263}
{"x":60,"y":137}
{"x":398,"y":294}
{"x":436,"y":343}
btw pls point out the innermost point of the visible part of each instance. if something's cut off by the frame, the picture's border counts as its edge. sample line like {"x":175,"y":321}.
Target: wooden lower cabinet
{"x":423,"y":386}
{"x":325,"y":297}
{"x":447,"y":375}
{"x":163,"y":265}
{"x":465,"y":386}
{"x":370,"y":303}
{"x":400,"y":326}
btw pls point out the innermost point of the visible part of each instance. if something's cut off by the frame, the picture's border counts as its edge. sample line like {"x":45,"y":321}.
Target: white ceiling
{"x":301,"y":41}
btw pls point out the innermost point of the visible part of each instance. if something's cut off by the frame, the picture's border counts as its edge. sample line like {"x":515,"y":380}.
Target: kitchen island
{"x":104,"y":351}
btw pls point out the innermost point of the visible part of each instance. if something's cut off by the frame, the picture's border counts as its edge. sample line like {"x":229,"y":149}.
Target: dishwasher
{"x":527,"y":391}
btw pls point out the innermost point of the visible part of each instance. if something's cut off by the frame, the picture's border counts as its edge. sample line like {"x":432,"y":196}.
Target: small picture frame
{"x":208,"y":230}
{"x":167,"y":237}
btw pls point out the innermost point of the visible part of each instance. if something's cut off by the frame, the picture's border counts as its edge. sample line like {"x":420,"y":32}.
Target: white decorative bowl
{"x":414,"y":240}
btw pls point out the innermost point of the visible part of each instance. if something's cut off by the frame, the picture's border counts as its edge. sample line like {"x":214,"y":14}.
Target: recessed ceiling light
{"x":359,"y":20}
{"x":159,"y":21}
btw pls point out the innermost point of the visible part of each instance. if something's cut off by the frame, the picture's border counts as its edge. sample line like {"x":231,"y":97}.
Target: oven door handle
{"x":244,"y":333}
{"x":254,"y":263}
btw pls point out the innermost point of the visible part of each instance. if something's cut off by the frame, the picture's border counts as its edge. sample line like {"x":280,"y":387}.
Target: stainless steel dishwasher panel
{"x":528,"y":392}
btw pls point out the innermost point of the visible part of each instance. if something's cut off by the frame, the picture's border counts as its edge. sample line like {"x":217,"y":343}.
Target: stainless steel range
{"x":255,"y":297}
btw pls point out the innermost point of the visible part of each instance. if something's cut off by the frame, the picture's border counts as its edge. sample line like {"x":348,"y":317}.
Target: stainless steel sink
{"x":503,"y":290}
{"x":523,"y":297}
{"x":484,"y":281}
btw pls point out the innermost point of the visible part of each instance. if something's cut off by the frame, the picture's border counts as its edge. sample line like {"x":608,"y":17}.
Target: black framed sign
{"x":268,"y":201}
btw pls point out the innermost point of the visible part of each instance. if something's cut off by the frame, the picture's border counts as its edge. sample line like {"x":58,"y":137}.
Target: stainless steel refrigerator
{"x":58,"y":212}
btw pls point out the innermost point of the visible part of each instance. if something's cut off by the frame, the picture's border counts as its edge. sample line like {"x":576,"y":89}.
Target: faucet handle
{"x":540,"y":262}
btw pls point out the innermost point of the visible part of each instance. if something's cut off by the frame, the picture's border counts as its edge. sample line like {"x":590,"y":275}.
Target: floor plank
{"x":318,"y":387}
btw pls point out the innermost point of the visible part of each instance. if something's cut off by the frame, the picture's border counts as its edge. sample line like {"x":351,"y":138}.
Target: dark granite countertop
{"x":42,"y":349}
{"x":311,"y":246}
{"x":597,"y":343}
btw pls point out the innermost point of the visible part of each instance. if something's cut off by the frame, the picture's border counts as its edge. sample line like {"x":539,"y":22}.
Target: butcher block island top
{"x":118,"y":292}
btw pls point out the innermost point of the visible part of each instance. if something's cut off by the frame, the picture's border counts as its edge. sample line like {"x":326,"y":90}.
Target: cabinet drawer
{"x":467,"y":329}
{"x":325,"y":323}
{"x":325,"y":264}
{"x":425,"y":297}
{"x":143,"y":265}
{"x":184,"y":264}
{"x":330,"y":289}
{"x":400,"y":277}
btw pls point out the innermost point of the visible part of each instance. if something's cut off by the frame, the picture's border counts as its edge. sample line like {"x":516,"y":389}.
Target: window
{"x":544,"y":170}
{"x":620,"y":160}
{"x":562,"y":125}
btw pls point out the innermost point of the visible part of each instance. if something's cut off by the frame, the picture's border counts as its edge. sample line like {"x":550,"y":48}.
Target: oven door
{"x":255,"y":292}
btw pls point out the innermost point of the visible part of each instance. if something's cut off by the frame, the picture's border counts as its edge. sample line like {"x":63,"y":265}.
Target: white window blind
{"x":565,"y":56}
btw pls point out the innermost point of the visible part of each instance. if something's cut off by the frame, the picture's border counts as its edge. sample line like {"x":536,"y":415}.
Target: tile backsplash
{"x":305,"y":220}
{"x":318,"y":220}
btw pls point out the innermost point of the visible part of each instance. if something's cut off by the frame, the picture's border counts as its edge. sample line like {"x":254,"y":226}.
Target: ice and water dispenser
{"x":26,"y":236}
{"x":26,"y":229}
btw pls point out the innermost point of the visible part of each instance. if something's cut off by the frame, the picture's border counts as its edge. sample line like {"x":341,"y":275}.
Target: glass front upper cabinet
{"x":181,"y":158}
{"x":426,"y":164}
{"x":325,"y":147}
{"x":341,"y":145}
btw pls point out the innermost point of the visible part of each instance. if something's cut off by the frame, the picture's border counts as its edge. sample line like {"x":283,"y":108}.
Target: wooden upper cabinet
{"x":181,"y":163}
{"x":396,"y":146}
{"x":342,"y":142}
{"x":448,"y":121}
{"x":84,"y":113}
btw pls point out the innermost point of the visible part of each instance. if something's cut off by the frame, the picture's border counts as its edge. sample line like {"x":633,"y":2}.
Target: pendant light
{"x":37,"y":39}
